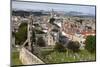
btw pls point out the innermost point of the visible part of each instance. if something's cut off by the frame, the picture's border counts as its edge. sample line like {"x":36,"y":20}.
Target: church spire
{"x":52,"y":13}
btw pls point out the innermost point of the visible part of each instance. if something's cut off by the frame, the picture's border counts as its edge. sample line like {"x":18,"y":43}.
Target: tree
{"x":59,"y":47}
{"x":33,"y":36}
{"x":41,"y":42}
{"x":52,"y":20}
{"x":74,"y":46}
{"x":90,"y":43}
{"x":21,"y":35}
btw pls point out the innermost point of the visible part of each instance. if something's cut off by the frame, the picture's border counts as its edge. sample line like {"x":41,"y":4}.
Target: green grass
{"x":52,"y":56}
{"x":15,"y":58}
{"x":68,"y":56}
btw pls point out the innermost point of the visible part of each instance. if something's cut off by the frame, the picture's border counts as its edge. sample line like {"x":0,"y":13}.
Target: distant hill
{"x":78,"y":14}
{"x":42,"y":12}
{"x":27,"y":13}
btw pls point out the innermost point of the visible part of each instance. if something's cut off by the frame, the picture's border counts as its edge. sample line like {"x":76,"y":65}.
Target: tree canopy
{"x":73,"y":45}
{"x":41,"y":42}
{"x":90,"y":43}
{"x":21,"y":35}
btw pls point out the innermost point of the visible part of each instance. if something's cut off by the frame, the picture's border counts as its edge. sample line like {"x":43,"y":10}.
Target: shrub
{"x":90,"y":44}
{"x":59,"y":47}
{"x":52,"y":20}
{"x":21,"y":35}
{"x":41,"y":42}
{"x":74,"y":46}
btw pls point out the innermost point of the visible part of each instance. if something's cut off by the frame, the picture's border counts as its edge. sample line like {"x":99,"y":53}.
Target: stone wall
{"x":27,"y":57}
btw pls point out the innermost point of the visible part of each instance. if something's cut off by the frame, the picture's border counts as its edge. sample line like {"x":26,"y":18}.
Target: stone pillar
{"x":29,"y":33}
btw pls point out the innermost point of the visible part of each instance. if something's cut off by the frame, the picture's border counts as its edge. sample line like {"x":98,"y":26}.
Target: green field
{"x":68,"y":56}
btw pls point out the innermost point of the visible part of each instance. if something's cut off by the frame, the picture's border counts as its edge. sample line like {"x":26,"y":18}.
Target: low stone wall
{"x":27,"y":57}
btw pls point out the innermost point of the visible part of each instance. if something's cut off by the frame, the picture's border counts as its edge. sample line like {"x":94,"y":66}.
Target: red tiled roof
{"x":88,"y":33}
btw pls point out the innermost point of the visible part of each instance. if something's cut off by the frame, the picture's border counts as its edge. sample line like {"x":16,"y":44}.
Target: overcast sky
{"x":48,"y":7}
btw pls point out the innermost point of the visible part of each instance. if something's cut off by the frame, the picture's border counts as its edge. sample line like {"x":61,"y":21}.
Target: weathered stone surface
{"x":27,"y":57}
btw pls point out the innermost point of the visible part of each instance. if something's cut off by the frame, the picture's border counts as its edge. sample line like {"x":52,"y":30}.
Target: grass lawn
{"x":15,"y":58}
{"x":68,"y":56}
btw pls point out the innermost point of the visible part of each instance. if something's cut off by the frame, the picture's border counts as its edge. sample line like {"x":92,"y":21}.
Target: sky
{"x":49,"y":6}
